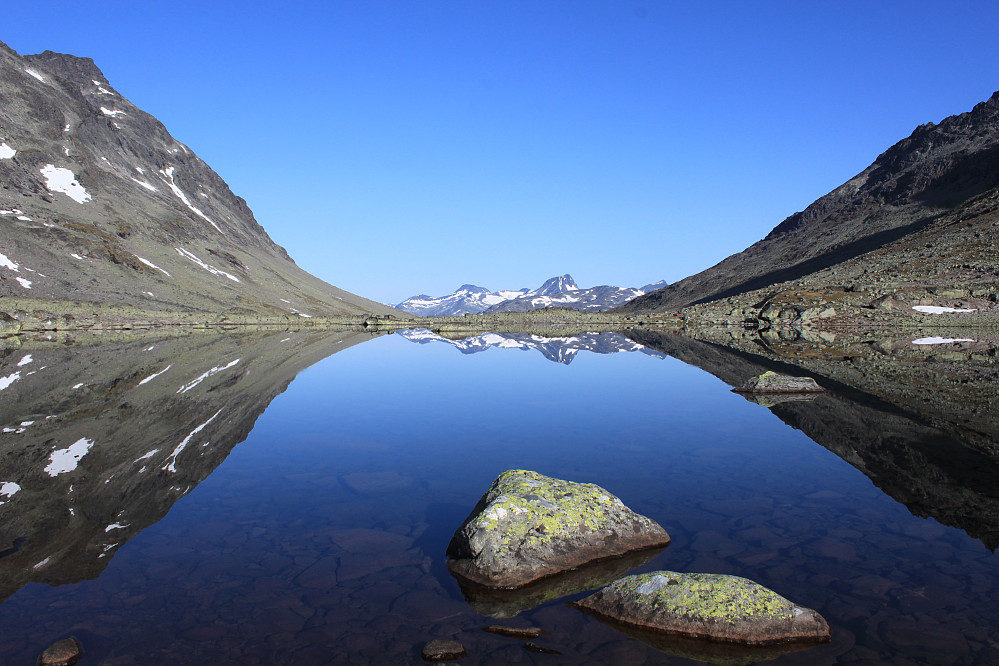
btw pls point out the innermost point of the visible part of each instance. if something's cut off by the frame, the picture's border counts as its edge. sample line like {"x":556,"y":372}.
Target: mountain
{"x":561,"y":291}
{"x":101,"y":204}
{"x":920,"y":217}
{"x":467,"y":299}
{"x":559,"y":350}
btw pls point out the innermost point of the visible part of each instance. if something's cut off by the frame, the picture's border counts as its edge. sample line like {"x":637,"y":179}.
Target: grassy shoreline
{"x":38,"y":317}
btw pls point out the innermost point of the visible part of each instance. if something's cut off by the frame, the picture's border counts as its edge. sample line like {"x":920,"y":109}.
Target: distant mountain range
{"x":560,"y":292}
{"x":559,"y":350}
{"x":921,"y":219}
{"x":101,"y":204}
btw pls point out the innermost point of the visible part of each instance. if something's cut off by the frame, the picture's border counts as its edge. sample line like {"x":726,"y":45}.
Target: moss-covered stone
{"x":530,"y":526}
{"x":710,"y":606}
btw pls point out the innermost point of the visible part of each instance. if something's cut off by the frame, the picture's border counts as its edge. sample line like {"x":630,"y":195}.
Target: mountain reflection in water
{"x":321,"y":538}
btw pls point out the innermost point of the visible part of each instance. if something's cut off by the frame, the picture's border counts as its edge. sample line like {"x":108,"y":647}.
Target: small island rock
{"x":772,"y":382}
{"x":530,"y":526}
{"x":708,"y":606}
{"x":61,"y":653}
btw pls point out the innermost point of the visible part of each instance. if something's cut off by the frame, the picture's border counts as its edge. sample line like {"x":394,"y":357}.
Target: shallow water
{"x":321,"y":537}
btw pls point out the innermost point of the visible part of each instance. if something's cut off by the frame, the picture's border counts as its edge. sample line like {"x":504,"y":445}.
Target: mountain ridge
{"x":101,"y":204}
{"x":558,"y":291}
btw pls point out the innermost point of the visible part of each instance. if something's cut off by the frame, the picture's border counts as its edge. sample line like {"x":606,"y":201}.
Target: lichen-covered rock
{"x":772,"y":382}
{"x":530,"y":526}
{"x":711,"y":606}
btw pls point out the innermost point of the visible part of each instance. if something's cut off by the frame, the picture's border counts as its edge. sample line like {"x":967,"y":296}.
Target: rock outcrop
{"x":530,"y":526}
{"x":716,"y":607}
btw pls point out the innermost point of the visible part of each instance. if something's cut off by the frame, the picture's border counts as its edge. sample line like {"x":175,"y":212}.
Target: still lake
{"x":309,"y":526}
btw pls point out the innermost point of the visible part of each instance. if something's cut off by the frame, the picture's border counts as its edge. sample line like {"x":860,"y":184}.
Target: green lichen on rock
{"x":528,"y":526}
{"x":713,"y":606}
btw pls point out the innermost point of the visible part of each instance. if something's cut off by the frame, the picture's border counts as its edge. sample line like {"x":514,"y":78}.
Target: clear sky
{"x":397,"y":148}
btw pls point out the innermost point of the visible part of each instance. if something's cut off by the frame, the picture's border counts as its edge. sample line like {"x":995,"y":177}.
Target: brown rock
{"x":439,"y":650}
{"x":531,"y":646}
{"x":515,"y":632}
{"x":61,"y":653}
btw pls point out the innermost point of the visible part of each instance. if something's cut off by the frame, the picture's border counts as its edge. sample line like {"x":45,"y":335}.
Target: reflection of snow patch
{"x":214,"y":371}
{"x":939,"y":341}
{"x":25,"y":361}
{"x":66,"y":460}
{"x":8,"y":488}
{"x":936,"y":309}
{"x":62,"y":180}
{"x":148,"y":455}
{"x":171,"y":466}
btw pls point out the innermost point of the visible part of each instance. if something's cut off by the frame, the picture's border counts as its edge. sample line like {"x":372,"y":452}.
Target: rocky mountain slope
{"x":940,"y":186}
{"x":560,"y":291}
{"x":99,"y":203}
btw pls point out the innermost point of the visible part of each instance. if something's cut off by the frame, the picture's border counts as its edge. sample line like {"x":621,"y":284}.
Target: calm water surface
{"x":321,"y":537}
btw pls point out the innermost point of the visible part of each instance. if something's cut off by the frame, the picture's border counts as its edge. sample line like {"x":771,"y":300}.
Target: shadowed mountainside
{"x":920,"y":426}
{"x":922,"y":181}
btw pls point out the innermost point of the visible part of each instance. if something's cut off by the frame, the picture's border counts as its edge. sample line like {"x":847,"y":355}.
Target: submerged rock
{"x":772,"y":382}
{"x":529,"y":526}
{"x":522,"y":633}
{"x":709,"y":606}
{"x":440,"y":650}
{"x":61,"y":653}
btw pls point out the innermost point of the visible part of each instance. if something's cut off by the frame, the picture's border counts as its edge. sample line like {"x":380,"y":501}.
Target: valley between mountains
{"x":109,"y":222}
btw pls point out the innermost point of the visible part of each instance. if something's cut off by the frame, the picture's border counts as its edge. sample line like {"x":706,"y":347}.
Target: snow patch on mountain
{"x":59,"y":179}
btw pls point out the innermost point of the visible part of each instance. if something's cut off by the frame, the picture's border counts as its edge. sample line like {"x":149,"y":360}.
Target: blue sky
{"x":396,"y":148}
